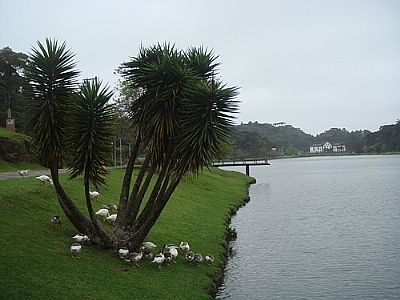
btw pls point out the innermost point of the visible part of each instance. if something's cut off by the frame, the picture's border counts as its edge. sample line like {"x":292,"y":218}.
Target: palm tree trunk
{"x":139,"y":198}
{"x":135,"y":190}
{"x":123,"y":199}
{"x":81,"y":223}
{"x":158,"y":190}
{"x":138,"y":237}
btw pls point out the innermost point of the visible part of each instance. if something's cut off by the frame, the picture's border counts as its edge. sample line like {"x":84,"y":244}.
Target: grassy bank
{"x":6,"y":166}
{"x":35,"y":258}
{"x":13,"y":135}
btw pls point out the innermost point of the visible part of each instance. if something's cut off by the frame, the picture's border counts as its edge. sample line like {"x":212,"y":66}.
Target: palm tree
{"x":62,"y":119}
{"x":183,"y":118}
{"x":89,"y":141}
{"x":52,"y":76}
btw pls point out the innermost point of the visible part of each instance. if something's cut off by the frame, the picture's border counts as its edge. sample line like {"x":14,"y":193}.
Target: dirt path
{"x":8,"y":175}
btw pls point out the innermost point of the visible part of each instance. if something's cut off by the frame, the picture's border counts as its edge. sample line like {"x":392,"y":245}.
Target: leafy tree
{"x":182,"y":118}
{"x":12,"y":86}
{"x":387,"y":139}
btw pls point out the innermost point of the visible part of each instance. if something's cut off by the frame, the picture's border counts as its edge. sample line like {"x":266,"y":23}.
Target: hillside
{"x":386,"y":139}
{"x":36,"y":261}
{"x":256,"y":139}
{"x":15,"y":147}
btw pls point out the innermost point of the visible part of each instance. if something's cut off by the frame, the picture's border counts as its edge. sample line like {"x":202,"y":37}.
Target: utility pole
{"x":120,"y":152}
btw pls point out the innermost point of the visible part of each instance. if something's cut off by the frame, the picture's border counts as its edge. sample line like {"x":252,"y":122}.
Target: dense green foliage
{"x":91,"y":132}
{"x":52,"y":77}
{"x":13,"y":87}
{"x":36,"y":261}
{"x":260,"y":138}
{"x":177,"y":88}
{"x":387,"y":139}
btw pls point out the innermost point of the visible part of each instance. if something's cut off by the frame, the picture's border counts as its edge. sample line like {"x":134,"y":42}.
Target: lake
{"x":318,"y":228}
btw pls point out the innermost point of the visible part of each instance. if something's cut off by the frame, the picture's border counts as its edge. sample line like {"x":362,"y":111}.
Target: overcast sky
{"x":313,"y":64}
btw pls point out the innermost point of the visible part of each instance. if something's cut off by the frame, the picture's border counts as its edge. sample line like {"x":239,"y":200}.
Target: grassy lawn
{"x":6,"y":166}
{"x":36,"y":262}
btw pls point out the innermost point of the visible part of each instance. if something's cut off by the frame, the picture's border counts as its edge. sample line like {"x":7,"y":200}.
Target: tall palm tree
{"x":89,"y":140}
{"x":53,"y":79}
{"x":183,"y":118}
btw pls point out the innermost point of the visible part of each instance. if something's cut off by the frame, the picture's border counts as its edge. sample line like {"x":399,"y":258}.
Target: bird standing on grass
{"x":198,"y":258}
{"x":103,"y":213}
{"x":76,"y":249}
{"x":45,"y":179}
{"x":56,"y":221}
{"x":159,"y":259}
{"x":184,"y":246}
{"x":112,"y":218}
{"x":110,"y":206}
{"x":209,"y":259}
{"x":23,"y":172}
{"x":123,"y":252}
{"x":81,"y":238}
{"x":135,"y":257}
{"x":190,"y":256}
{"x":94,"y":195}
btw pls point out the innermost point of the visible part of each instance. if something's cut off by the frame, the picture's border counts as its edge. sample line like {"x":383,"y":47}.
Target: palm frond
{"x":212,"y":107}
{"x":91,"y":132}
{"x":52,"y":77}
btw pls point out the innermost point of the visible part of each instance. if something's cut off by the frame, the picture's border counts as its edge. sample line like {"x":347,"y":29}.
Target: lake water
{"x":318,"y":228}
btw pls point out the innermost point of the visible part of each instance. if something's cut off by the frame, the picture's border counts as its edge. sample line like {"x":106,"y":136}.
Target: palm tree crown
{"x":52,"y":76}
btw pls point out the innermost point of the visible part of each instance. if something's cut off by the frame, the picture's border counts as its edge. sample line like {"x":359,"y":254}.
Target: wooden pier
{"x":243,"y":162}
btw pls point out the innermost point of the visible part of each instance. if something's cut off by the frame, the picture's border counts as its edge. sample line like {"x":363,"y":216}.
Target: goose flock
{"x":166,"y":255}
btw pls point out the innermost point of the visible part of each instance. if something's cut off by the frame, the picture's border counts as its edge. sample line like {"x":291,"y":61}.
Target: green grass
{"x":35,"y":257}
{"x":13,"y":135}
{"x":6,"y":166}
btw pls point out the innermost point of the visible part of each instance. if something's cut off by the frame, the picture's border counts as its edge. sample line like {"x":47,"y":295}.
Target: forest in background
{"x":255,"y":139}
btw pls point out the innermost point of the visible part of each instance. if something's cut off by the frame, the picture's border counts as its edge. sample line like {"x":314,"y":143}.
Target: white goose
{"x":112,"y":218}
{"x":45,"y":179}
{"x":76,"y":249}
{"x":80,"y":238}
{"x":23,"y":172}
{"x":159,"y":259}
{"x":103,"y":213}
{"x":94,"y":195}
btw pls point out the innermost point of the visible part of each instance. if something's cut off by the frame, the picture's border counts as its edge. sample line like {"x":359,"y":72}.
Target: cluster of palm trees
{"x":181,"y":115}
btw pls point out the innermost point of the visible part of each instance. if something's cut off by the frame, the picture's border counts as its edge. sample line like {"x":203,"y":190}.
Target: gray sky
{"x":313,"y":64}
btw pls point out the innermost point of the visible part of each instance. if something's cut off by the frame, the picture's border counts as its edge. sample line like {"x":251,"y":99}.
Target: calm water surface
{"x":319,"y":228}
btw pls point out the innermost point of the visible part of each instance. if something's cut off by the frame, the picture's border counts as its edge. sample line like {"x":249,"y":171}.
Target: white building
{"x":316,"y":148}
{"x":338,"y":147}
{"x":327,"y":146}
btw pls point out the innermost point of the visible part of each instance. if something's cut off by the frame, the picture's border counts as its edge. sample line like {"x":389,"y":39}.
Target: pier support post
{"x":247,"y":170}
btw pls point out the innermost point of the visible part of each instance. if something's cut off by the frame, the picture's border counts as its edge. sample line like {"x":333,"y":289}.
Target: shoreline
{"x":218,"y":277}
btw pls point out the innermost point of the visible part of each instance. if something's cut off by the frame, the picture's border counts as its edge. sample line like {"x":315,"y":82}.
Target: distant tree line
{"x":259,"y":140}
